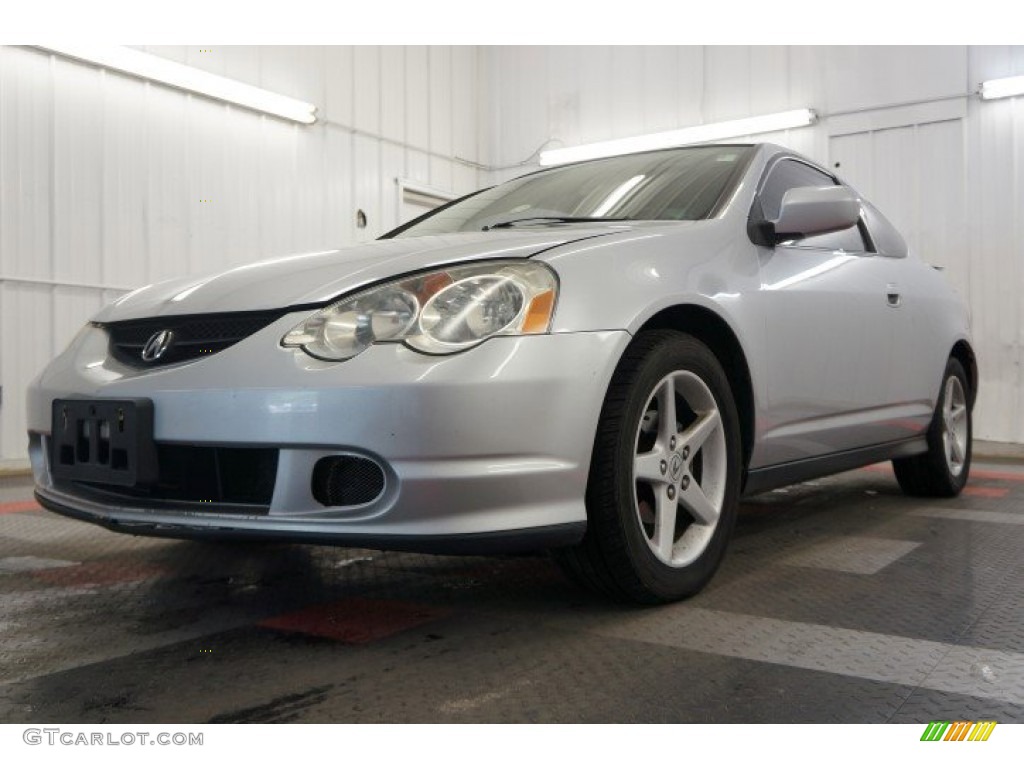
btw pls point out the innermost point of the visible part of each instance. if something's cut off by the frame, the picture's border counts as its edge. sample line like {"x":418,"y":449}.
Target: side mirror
{"x":809,"y":211}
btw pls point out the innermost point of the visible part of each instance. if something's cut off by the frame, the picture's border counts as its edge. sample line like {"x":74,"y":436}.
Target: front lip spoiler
{"x":522,"y":541}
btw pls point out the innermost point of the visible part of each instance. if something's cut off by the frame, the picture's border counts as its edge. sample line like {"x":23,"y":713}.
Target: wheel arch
{"x":963,"y":352}
{"x":710,"y":328}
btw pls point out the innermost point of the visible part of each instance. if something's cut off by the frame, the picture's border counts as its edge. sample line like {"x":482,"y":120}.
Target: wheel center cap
{"x":675,"y":466}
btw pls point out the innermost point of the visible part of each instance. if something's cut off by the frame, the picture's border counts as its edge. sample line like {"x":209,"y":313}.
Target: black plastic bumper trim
{"x":526,"y":540}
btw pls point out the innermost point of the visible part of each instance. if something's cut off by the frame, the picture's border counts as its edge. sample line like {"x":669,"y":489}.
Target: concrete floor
{"x":839,"y":601}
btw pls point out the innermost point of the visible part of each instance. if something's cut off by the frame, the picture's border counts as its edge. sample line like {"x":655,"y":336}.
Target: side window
{"x":788,"y":174}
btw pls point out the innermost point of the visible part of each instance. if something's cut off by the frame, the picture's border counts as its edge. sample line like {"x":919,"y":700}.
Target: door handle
{"x":892,"y":295}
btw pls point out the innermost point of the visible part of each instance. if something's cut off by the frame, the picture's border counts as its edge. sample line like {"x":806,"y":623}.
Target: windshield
{"x":675,"y":185}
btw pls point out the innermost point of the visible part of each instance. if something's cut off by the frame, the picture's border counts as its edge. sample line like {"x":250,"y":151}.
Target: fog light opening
{"x":347,"y":481}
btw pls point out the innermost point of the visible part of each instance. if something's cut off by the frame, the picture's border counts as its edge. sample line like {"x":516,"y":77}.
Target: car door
{"x":829,"y":333}
{"x":916,"y":311}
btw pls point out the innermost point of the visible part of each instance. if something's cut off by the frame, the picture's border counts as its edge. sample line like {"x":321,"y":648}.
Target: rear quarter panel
{"x":938,"y":318}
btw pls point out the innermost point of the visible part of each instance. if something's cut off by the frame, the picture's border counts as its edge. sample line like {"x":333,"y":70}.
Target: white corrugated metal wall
{"x":108,"y":183}
{"x":900,"y":121}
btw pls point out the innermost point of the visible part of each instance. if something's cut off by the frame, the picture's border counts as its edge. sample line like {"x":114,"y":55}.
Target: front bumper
{"x":486,"y":450}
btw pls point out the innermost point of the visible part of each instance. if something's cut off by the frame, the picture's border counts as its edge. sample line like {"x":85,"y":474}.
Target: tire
{"x":640,"y":465}
{"x":944,"y":469}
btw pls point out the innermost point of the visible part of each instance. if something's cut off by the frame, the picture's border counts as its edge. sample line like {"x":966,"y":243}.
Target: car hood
{"x":315,"y":278}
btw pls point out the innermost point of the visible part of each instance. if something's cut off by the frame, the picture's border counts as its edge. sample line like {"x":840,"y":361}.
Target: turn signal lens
{"x":538,"y":315}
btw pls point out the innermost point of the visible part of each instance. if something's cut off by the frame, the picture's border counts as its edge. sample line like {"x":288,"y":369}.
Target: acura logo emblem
{"x":157,"y":345}
{"x":676,"y":465}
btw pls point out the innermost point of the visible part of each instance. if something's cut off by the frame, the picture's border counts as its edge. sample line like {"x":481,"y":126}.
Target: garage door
{"x":915,"y":175}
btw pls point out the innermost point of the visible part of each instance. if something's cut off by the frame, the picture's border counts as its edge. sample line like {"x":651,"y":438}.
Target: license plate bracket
{"x":103,"y":441}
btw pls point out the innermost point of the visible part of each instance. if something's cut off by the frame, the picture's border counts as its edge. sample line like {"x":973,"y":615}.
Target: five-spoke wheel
{"x":954,"y":424}
{"x":680,"y":468}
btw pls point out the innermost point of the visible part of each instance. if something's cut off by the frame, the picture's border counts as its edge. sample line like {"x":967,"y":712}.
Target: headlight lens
{"x":438,"y":312}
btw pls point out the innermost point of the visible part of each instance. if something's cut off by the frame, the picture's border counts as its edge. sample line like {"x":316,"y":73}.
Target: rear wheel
{"x":664,"y":478}
{"x":943,"y":470}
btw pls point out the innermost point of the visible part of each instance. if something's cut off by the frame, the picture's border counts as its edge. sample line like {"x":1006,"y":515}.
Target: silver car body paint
{"x":497,"y":439}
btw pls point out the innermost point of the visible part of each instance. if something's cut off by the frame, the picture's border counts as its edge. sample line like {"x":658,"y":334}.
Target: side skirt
{"x":778,"y":475}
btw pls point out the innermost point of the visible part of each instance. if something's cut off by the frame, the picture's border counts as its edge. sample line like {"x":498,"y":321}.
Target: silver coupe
{"x":597,"y":359}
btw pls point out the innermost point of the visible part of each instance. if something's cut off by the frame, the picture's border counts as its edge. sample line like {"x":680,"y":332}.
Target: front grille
{"x":346,"y":481}
{"x":192,"y":336}
{"x":233,"y":479}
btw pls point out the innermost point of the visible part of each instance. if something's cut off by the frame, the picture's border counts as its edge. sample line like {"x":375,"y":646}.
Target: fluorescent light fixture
{"x":780,"y":121}
{"x":161,"y":70}
{"x":1003,"y":87}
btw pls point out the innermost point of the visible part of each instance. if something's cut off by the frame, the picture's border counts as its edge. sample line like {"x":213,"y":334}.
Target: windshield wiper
{"x":558,"y":219}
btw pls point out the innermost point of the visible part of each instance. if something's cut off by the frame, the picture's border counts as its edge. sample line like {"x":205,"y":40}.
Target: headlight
{"x":438,"y":312}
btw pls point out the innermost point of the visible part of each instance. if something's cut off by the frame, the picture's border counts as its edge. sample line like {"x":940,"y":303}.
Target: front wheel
{"x":665,"y":474}
{"x":943,"y":470}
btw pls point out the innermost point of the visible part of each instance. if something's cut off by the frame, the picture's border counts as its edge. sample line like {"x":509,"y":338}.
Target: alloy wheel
{"x":680,"y":468}
{"x":954,"y":425}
